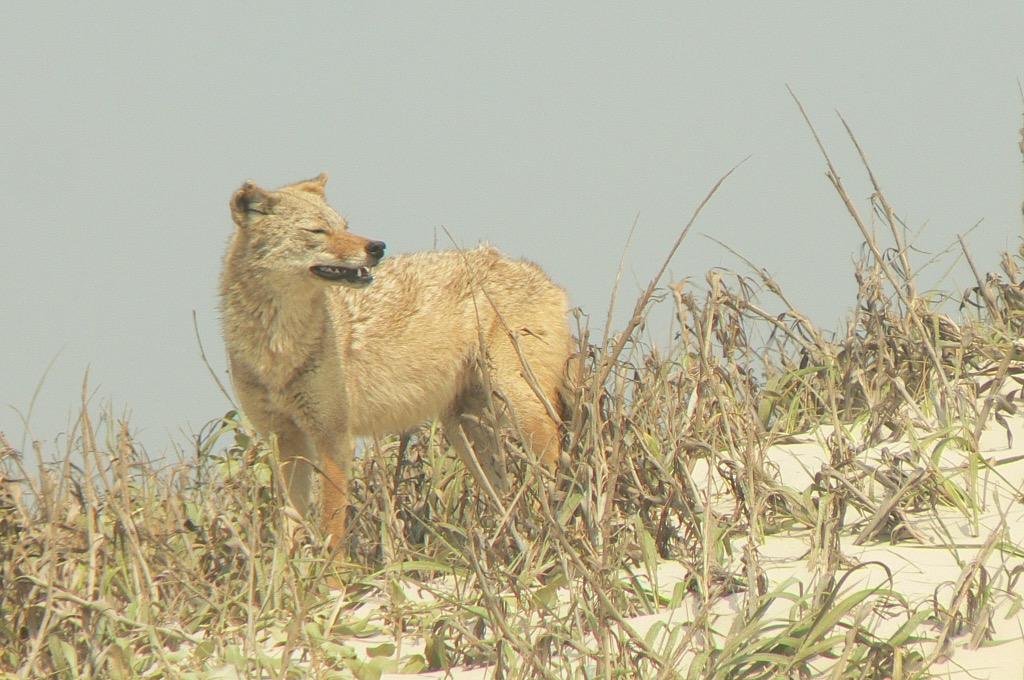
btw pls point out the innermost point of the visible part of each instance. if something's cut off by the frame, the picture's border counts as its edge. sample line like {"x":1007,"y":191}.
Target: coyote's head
{"x":293,"y":228}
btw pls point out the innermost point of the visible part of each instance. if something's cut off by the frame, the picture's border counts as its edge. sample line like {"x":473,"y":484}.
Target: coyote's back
{"x":327,"y":342}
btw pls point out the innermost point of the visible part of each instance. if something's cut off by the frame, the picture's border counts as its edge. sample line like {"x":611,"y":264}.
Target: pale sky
{"x":544,"y":128}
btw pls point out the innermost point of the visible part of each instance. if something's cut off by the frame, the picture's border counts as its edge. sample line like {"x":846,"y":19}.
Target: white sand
{"x":922,"y":572}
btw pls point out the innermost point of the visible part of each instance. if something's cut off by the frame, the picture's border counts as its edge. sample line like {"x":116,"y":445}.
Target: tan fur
{"x":319,"y":362}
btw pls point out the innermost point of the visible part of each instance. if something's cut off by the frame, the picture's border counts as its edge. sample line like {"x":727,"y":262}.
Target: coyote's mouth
{"x":360,"y":276}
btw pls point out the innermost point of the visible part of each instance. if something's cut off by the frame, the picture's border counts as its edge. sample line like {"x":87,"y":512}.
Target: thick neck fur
{"x":276,"y":319}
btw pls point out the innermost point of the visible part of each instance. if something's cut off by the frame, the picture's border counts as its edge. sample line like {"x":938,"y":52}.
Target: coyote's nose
{"x":375,"y":249}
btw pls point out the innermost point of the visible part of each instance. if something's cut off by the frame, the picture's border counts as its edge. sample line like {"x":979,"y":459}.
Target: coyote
{"x":328,"y":341}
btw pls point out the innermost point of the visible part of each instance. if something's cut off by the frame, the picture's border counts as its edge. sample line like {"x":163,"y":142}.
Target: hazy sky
{"x":546,"y":129}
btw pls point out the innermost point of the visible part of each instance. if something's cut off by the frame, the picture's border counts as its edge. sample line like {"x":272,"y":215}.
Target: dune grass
{"x":113,"y":567}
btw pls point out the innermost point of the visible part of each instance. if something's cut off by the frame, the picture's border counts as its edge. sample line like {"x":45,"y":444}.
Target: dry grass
{"x":111,"y":568}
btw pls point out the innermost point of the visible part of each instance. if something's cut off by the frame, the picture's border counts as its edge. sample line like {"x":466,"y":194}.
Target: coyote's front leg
{"x":335,"y":463}
{"x":294,"y":455}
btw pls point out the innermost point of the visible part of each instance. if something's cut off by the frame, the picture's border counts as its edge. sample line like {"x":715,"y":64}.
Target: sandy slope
{"x":923,"y":571}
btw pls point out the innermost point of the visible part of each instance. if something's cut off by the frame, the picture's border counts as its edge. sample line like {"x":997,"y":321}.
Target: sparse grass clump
{"x":668,"y":492}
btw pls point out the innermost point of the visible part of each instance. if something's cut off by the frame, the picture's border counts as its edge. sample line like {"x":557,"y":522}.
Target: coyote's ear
{"x":251,"y":198}
{"x":313,"y":186}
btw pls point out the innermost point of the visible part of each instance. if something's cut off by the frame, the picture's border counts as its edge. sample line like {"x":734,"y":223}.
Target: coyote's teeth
{"x":359,"y":276}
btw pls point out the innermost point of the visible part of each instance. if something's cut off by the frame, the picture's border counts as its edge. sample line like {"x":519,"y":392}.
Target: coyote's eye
{"x":317,"y":230}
